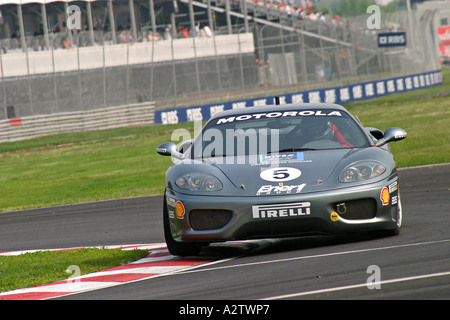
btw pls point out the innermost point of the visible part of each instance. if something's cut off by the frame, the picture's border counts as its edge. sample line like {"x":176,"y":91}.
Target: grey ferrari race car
{"x":280,"y":171}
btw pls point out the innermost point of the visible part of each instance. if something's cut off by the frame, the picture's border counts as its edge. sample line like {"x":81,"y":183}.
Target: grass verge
{"x":42,"y":267}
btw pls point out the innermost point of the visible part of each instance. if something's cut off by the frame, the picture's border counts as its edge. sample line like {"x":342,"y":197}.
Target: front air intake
{"x":357,"y":209}
{"x":208,"y":219}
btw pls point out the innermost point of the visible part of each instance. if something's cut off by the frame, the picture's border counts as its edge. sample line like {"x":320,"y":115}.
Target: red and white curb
{"x":158,"y":262}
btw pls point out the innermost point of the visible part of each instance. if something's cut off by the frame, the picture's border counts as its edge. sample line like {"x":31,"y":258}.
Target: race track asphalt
{"x":413,"y":265}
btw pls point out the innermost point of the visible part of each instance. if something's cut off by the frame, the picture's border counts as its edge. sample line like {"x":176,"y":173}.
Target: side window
{"x":351,"y":132}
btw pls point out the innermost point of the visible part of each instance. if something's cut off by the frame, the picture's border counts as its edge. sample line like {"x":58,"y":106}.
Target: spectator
{"x":197,"y":29}
{"x":67,"y":43}
{"x":167,"y":35}
{"x":184,"y":33}
{"x":207,"y":31}
{"x":130,"y":37}
{"x":123,"y":38}
{"x":151,"y":37}
{"x":261,"y":71}
{"x":4,"y":48}
{"x":269,"y":73}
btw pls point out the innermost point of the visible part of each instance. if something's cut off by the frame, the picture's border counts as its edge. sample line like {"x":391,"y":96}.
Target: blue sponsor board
{"x":339,"y":95}
{"x":392,"y":39}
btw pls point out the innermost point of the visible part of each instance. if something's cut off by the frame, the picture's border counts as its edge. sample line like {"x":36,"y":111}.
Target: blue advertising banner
{"x":339,"y":95}
{"x":392,"y":39}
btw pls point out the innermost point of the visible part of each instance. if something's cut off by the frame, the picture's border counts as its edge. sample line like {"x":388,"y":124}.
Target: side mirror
{"x":185,"y":146}
{"x":376,"y":133}
{"x":169,"y":149}
{"x":391,"y":135}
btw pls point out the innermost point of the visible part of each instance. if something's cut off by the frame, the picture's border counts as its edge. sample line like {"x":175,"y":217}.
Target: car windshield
{"x":278,"y":131}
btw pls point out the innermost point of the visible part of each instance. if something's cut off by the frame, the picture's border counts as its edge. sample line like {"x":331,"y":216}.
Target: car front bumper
{"x":375,"y":207}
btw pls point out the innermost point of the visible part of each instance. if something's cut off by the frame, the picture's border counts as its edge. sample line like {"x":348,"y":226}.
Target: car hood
{"x":284,"y":173}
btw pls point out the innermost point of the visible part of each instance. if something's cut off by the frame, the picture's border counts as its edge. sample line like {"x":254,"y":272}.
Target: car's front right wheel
{"x":395,"y":231}
{"x":399,"y":218}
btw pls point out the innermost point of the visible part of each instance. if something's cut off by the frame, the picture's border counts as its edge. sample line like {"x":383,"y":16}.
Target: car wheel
{"x":177,"y":248}
{"x":399,"y":220}
{"x":398,"y":223}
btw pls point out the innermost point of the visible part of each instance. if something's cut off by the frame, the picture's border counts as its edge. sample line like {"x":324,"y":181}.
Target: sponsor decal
{"x":330,"y":96}
{"x":334,"y":216}
{"x":170,"y":201}
{"x":278,"y":114}
{"x":169,"y":117}
{"x":394,"y":200}
{"x":380,"y":88}
{"x":194,"y":114}
{"x":314,"y":96}
{"x":15,"y":122}
{"x":281,"y":210}
{"x":384,"y":196}
{"x":370,"y":91}
{"x":392,"y":39}
{"x":444,"y":40}
{"x":291,"y":157}
{"x":179,"y":209}
{"x":239,"y":105}
{"x":216,"y":109}
{"x":357,"y":92}
{"x":393,"y":187}
{"x":344,"y":93}
{"x":270,"y":189}
{"x":297,"y":98}
{"x":260,"y":102}
{"x":280,"y":174}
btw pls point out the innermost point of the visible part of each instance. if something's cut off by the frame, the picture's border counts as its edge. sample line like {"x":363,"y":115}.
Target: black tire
{"x":177,"y":248}
{"x":399,"y":221}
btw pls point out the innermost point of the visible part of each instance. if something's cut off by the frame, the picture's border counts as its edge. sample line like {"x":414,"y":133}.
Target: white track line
{"x":324,"y":255}
{"x":361,"y":285}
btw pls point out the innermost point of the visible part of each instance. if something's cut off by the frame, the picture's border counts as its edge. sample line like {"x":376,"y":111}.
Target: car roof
{"x":281,"y":107}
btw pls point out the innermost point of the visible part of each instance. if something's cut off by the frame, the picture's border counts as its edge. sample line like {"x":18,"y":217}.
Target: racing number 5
{"x":280,"y":174}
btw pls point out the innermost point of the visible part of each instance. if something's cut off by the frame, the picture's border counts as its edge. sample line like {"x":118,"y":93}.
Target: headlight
{"x":361,"y":171}
{"x":199,"y":182}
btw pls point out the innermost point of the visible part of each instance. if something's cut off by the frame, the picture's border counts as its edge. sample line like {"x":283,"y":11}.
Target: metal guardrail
{"x":103,"y":118}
